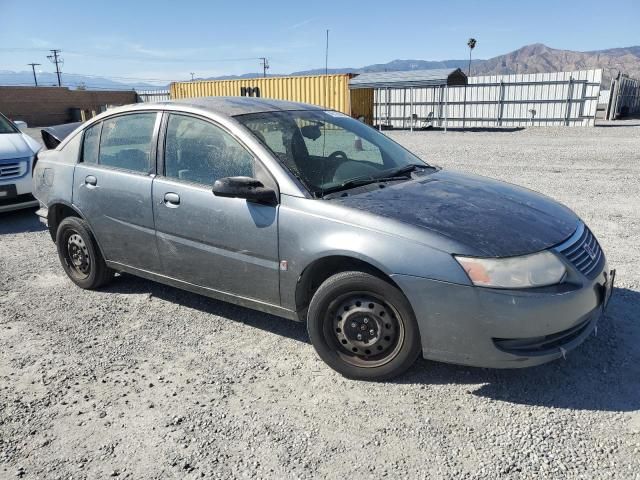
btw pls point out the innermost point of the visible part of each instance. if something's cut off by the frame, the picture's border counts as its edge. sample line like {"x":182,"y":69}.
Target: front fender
{"x":306,"y":237}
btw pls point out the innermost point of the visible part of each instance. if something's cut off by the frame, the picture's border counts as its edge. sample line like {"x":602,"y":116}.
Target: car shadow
{"x":20,"y":221}
{"x":128,"y":284}
{"x":601,"y":374}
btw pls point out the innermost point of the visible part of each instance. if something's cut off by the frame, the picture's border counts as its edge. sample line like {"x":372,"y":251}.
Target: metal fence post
{"x":500,"y":104}
{"x":446,"y":106}
{"x":569,"y":95}
{"x":583,"y":94}
{"x":388,"y":107}
{"x":404,"y":108}
{"x":464,"y":106}
{"x":441,"y":91}
{"x":411,"y":108}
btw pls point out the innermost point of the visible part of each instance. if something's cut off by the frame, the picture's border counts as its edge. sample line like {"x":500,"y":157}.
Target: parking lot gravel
{"x":141,"y":380}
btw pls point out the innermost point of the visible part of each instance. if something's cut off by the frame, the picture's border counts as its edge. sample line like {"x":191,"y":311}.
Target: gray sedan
{"x":311,"y":215}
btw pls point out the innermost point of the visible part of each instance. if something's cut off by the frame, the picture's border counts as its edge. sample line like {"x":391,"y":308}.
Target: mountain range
{"x":535,"y":58}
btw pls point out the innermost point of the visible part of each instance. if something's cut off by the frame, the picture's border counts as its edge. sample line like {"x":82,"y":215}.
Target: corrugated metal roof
{"x":410,"y":78}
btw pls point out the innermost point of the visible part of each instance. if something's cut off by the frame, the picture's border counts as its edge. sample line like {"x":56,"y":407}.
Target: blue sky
{"x":166,"y":41}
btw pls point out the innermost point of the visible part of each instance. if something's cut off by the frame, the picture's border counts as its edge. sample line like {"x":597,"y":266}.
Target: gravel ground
{"x":140,"y":380}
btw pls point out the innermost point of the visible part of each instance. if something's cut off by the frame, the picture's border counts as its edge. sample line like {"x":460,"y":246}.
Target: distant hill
{"x":539,"y":58}
{"x":394,"y":66}
{"x":47,"y":79}
{"x":535,"y":58}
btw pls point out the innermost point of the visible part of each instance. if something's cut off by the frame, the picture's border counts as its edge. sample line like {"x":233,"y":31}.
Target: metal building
{"x":396,"y":95}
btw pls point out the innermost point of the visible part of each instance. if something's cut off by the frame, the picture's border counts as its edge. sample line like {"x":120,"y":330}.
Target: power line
{"x":20,"y":49}
{"x":161,"y":59}
{"x":136,"y":58}
{"x":57,"y":60}
{"x":33,"y":67}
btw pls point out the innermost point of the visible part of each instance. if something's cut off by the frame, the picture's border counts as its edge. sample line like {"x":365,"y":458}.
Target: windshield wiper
{"x":394,"y":172}
{"x":400,"y":173}
{"x":359,"y":182}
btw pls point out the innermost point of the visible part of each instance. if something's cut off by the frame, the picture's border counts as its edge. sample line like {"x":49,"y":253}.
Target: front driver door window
{"x":226,"y":244}
{"x":200,"y":152}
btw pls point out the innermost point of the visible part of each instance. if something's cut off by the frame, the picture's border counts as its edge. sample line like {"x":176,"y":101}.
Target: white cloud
{"x":40,"y":43}
{"x":300,"y":24}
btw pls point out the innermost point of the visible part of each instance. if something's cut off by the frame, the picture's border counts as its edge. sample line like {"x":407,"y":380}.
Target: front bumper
{"x":504,"y":328}
{"x":15,"y":194}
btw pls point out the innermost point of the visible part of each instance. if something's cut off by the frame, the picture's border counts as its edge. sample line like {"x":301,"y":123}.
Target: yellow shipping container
{"x":330,"y":91}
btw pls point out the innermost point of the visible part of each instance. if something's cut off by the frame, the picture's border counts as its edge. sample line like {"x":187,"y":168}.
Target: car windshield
{"x":6,"y":126}
{"x":329,"y":151}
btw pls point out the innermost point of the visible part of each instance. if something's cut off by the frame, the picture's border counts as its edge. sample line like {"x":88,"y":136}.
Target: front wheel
{"x":80,"y":256}
{"x":363,"y":327}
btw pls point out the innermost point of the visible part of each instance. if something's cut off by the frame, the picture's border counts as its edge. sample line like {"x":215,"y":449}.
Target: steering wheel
{"x":337,"y":155}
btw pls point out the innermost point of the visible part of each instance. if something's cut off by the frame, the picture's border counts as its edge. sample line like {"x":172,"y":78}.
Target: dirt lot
{"x":145,"y":381}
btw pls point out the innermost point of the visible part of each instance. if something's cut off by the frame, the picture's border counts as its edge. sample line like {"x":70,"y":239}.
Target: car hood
{"x":496,"y":219}
{"x":14,"y":145}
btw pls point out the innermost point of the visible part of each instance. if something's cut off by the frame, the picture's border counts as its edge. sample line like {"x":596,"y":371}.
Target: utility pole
{"x":192,"y":74}
{"x":326,"y":68}
{"x":326,"y":55}
{"x":33,"y":67}
{"x":57,"y":61}
{"x":265,"y":66}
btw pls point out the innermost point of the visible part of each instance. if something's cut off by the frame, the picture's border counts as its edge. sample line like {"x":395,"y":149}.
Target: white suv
{"x":17,"y":154}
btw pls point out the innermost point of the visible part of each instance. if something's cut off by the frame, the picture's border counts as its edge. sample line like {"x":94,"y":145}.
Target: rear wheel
{"x":363,"y":327}
{"x":80,"y":256}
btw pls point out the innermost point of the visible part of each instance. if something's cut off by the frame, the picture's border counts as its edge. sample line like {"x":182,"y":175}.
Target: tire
{"x":349,"y":304}
{"x":80,"y":256}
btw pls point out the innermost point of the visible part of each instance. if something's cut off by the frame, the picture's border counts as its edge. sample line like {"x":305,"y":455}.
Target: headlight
{"x":536,"y":270}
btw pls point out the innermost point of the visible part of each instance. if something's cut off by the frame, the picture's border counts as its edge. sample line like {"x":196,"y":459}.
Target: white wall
{"x":561,"y":98}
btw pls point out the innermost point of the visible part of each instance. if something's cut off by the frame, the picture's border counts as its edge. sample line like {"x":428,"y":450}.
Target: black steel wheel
{"x":363,"y":327}
{"x":367,"y":330}
{"x":79,"y":254}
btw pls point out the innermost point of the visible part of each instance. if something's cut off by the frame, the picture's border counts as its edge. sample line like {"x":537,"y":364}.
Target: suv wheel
{"x":80,"y":256}
{"x":363,"y":327}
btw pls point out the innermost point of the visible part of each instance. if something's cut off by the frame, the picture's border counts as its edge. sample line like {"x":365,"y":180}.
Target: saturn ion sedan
{"x":311,"y":215}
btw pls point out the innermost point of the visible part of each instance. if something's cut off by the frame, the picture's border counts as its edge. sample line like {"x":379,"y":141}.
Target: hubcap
{"x":367,"y":328}
{"x":78,"y":254}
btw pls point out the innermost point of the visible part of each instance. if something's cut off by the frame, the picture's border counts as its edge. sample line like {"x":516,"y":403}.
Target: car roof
{"x":233,"y":106}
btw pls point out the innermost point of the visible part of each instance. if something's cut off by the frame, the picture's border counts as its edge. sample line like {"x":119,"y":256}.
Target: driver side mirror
{"x":248,"y":188}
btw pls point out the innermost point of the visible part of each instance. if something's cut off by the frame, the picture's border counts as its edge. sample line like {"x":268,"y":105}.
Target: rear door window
{"x":91,"y":143}
{"x":126,"y":140}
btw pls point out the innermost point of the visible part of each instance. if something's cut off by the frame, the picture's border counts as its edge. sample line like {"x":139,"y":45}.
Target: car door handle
{"x":171,"y":200}
{"x":90,"y":181}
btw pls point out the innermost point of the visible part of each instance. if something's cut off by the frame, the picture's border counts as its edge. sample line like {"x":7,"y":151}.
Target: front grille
{"x":583,"y":251}
{"x":13,"y":168}
{"x":25,"y":197}
{"x":540,"y":345}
